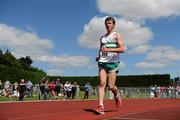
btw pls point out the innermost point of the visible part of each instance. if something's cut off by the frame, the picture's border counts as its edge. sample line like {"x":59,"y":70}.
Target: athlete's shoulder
{"x":116,"y":33}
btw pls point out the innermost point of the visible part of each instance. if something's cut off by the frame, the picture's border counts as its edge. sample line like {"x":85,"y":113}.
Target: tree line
{"x":122,"y":81}
{"x":14,"y":69}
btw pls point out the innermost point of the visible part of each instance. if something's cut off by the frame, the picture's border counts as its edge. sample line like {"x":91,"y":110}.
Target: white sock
{"x":101,"y":104}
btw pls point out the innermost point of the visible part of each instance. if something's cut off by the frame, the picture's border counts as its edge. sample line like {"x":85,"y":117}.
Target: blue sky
{"x":62,"y":36}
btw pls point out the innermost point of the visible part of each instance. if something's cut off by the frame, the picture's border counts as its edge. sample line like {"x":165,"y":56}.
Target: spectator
{"x":52,"y":88}
{"x":177,"y":91}
{"x":7,"y":88}
{"x":1,"y":88}
{"x":7,"y":84}
{"x":22,"y":88}
{"x":65,"y":89}
{"x":29,"y":86}
{"x":69,"y":90}
{"x":87,"y":90}
{"x":152,"y":91}
{"x":58,"y":87}
{"x":61,"y":93}
{"x":15,"y":90}
{"x":77,"y":91}
{"x":43,"y":90}
{"x":74,"y":89}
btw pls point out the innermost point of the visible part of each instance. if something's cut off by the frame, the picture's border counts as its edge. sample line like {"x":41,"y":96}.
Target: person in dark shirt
{"x":22,"y":88}
{"x":74,"y":89}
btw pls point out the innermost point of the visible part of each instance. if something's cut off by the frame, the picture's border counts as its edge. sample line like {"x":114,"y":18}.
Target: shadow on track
{"x":96,"y":113}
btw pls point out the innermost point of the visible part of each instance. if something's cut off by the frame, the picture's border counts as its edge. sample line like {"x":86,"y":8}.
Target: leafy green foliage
{"x":144,"y":80}
{"x":25,"y":62}
{"x":15,"y":69}
{"x":122,"y":81}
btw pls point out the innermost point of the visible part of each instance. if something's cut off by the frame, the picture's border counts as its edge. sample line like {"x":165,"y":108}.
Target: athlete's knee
{"x":112,"y":87}
{"x":102,"y":84}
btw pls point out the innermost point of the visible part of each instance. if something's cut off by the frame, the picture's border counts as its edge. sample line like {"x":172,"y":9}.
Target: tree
{"x":1,"y":57}
{"x":1,"y":52}
{"x":15,"y":69}
{"x":26,"y":62}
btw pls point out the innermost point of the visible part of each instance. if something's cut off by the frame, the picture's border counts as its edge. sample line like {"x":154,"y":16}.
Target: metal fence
{"x":11,"y":93}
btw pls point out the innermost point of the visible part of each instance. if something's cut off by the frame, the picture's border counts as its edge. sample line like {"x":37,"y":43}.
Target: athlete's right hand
{"x":97,"y":58}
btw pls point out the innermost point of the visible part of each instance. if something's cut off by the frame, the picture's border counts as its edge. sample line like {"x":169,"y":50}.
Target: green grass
{"x":81,"y":96}
{"x":36,"y":97}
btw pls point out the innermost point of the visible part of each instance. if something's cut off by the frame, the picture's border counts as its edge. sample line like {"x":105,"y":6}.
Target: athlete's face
{"x":109,"y":25}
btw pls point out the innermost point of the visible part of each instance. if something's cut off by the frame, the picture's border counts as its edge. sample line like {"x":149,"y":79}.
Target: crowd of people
{"x":24,"y":87}
{"x":55,"y":89}
{"x":46,"y":90}
{"x":164,"y":92}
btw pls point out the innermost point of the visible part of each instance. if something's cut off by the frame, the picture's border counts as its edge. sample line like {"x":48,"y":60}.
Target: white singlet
{"x":109,"y":42}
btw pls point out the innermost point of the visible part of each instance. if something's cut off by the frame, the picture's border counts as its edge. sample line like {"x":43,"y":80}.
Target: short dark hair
{"x":110,"y":19}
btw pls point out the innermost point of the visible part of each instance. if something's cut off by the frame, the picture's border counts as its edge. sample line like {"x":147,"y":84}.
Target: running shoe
{"x":100,"y":110}
{"x":117,"y":99}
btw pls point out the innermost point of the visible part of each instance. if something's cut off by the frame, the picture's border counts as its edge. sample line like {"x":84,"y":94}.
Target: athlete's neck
{"x":109,"y":32}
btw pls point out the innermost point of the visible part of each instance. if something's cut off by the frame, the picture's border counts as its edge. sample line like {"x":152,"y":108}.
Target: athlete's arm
{"x":98,"y":56}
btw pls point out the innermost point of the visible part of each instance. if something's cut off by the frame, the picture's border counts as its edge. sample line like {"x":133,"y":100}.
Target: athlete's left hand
{"x":104,"y":49}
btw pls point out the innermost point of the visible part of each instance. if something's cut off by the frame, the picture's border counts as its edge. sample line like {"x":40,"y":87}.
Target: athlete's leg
{"x":102,"y":84}
{"x":112,"y":81}
{"x":114,"y":89}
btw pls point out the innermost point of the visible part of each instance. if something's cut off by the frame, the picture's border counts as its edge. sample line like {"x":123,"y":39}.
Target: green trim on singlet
{"x":111,"y":44}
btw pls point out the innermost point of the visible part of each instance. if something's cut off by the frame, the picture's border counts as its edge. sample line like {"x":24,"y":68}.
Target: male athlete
{"x":111,"y":45}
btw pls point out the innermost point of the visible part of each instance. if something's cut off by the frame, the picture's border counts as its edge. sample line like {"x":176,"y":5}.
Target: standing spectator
{"x":156,"y":91}
{"x":69,"y":90}
{"x":22,"y":88}
{"x":7,"y":84}
{"x":15,"y":90}
{"x":7,"y":88}
{"x":42,"y":86}
{"x":94,"y":92}
{"x":1,"y":88}
{"x":58,"y":87}
{"x":177,"y":90}
{"x":52,"y":88}
{"x":65,"y":89}
{"x":170,"y":91}
{"x":152,"y":89}
{"x":61,"y":93}
{"x":77,"y":91}
{"x":74,"y":88}
{"x":87,"y":90}
{"x":46,"y":90}
{"x":29,"y":86}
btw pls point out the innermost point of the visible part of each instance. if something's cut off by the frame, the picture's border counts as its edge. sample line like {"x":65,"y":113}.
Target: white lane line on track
{"x":132,"y":119}
{"x":126,"y":118}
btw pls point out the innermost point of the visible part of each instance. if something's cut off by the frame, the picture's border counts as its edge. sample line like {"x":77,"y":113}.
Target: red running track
{"x":132,"y":109}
